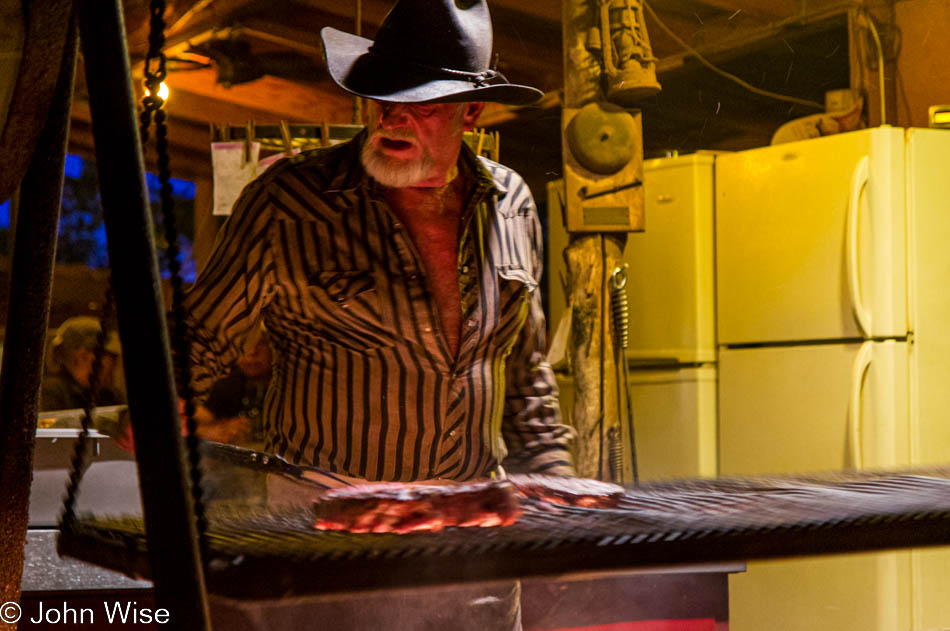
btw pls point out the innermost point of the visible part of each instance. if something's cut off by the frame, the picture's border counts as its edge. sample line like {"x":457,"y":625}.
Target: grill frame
{"x":259,"y":554}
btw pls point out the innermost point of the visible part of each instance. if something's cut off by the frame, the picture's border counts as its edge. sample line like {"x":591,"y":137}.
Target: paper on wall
{"x":231,"y":172}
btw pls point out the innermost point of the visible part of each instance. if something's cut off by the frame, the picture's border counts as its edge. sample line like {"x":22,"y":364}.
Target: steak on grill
{"x":567,"y":491}
{"x":406,"y":507}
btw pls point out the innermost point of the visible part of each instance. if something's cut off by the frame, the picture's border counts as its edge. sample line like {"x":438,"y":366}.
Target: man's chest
{"x":436,"y":240}
{"x":366,"y":279}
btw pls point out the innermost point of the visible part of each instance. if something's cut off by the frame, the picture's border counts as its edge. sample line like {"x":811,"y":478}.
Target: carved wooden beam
{"x":590,"y":258}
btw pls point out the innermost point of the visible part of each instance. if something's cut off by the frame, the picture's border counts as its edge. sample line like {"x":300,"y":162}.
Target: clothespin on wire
{"x":481,"y":141}
{"x":248,"y":139}
{"x":286,"y":137}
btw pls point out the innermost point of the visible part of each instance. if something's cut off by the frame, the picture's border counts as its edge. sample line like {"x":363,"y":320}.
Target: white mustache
{"x":394,"y":134}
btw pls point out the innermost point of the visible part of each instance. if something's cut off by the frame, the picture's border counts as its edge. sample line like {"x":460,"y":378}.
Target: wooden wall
{"x":923,"y":74}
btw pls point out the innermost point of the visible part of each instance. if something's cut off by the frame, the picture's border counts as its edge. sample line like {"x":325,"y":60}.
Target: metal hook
{"x":619,"y":277}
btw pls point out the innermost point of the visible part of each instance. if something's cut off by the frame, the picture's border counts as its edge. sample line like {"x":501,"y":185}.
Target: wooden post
{"x":590,"y":260}
{"x":606,"y":48}
{"x":590,"y":257}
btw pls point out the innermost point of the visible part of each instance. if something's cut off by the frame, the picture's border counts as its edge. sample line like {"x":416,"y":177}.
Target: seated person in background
{"x":70,"y":362}
{"x":232,"y":411}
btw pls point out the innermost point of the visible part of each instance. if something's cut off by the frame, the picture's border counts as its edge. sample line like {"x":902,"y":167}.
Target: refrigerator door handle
{"x":859,"y":179}
{"x":862,"y":362}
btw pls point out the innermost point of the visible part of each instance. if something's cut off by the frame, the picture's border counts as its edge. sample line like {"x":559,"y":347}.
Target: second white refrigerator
{"x":829,"y":255}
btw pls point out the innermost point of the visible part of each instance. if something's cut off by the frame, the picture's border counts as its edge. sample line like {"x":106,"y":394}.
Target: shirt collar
{"x":485,"y":182}
{"x":353,"y":172}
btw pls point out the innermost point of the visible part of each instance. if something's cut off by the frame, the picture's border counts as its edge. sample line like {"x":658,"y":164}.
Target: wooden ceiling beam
{"x":278,"y":98}
{"x":695,"y":32}
{"x":203,"y":109}
{"x":549,"y":10}
{"x":204,"y":13}
{"x":302,"y":40}
{"x":183,"y":19}
{"x":523,"y":34}
{"x":372,"y":12}
{"x":523,"y":51}
{"x":210,"y":15}
{"x":773,"y":9}
{"x":719,"y":37}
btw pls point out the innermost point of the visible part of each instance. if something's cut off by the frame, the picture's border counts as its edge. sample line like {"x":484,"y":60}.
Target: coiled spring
{"x":620,"y":314}
{"x":619,"y":309}
{"x":615,"y":454}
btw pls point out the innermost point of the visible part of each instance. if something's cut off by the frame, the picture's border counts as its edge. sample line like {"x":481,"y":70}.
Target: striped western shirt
{"x":363,"y":382}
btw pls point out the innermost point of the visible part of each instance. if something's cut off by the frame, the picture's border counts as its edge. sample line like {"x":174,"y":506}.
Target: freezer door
{"x":928,"y":154}
{"x":670,"y":284}
{"x":670,"y":274}
{"x":810,"y":240}
{"x":808,"y":408}
{"x":855,"y":592}
{"x":814,"y":408}
{"x":928,"y":193}
{"x":674,"y":414}
{"x":674,"y":417}
{"x":792,"y":409}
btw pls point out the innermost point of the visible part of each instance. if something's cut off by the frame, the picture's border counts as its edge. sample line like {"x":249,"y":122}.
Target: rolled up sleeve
{"x":229,"y":294}
{"x":536,"y":439}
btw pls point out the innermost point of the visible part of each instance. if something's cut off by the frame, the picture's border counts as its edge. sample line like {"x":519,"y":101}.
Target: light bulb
{"x":162,"y":91}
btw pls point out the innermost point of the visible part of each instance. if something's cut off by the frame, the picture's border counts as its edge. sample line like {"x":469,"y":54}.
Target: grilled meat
{"x":567,"y":491}
{"x":407,"y":507}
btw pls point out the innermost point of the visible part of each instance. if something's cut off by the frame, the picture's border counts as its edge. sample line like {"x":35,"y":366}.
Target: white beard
{"x":394,"y":172}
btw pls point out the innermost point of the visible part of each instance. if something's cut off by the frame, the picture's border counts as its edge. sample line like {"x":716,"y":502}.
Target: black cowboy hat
{"x":426,"y":51}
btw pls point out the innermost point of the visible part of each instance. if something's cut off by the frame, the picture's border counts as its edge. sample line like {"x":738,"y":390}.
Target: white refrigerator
{"x":833,"y":301}
{"x":790,"y":312}
{"x":672,"y":343}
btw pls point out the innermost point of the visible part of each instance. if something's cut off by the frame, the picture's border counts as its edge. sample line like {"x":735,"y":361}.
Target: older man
{"x":398,"y":275}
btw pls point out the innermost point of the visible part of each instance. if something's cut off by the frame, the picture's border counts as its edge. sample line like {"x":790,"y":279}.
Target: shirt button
{"x":465,"y":269}
{"x":471,"y":323}
{"x":452,"y":433}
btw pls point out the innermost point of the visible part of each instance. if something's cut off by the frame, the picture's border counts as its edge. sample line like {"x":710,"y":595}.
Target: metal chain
{"x":90,"y":393}
{"x":181,"y":348}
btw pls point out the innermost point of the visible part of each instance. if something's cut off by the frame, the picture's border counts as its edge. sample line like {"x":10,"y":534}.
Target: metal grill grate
{"x":264,"y":554}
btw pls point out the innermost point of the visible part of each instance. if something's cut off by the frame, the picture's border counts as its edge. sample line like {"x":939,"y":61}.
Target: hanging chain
{"x":181,"y":349}
{"x":90,"y":394}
